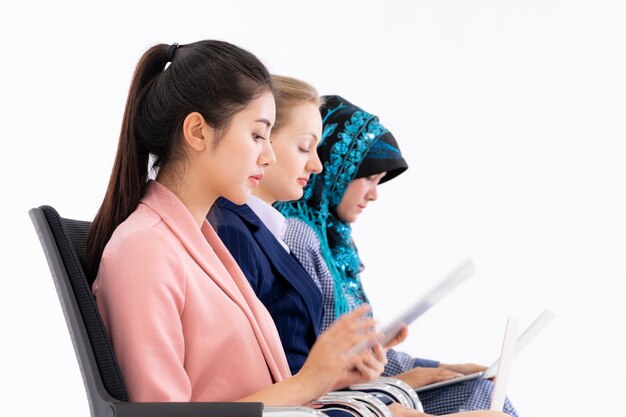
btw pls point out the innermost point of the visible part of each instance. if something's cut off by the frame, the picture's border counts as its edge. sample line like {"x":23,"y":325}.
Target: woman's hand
{"x":418,"y":377}
{"x":463,"y":368}
{"x":367,"y":365}
{"x":328,"y":366}
{"x":399,"y":337}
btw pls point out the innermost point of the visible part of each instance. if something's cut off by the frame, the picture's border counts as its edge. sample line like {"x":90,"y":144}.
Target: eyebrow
{"x":267,"y":122}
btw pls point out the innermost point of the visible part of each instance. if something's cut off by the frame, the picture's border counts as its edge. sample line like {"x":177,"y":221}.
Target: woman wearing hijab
{"x":358,"y":153}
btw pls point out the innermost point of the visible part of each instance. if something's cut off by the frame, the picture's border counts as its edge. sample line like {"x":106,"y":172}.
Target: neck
{"x":195,"y":197}
{"x":263,"y":195}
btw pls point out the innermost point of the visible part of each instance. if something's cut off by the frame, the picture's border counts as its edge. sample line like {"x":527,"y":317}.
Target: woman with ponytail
{"x":183,"y":321}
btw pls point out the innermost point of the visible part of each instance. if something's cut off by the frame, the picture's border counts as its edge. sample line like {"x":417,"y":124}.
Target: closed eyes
{"x":256,"y":137}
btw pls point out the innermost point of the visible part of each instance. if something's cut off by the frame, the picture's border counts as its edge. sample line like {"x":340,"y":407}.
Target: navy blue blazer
{"x":277,"y":277}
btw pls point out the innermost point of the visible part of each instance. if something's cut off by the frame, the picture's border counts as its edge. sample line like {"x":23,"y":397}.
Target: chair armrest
{"x":185,"y":409}
{"x":376,"y":406}
{"x":406,"y":388}
{"x":386,"y":390}
{"x":337,"y":402}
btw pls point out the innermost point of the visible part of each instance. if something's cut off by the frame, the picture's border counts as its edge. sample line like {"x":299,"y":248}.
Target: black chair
{"x":64,"y":244}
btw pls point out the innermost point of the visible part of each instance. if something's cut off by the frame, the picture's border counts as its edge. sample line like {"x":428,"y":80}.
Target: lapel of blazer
{"x":285,"y":264}
{"x":262,"y":323}
{"x":205,"y":246}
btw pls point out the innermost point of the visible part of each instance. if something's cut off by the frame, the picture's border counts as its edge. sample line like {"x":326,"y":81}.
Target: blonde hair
{"x":289,"y":93}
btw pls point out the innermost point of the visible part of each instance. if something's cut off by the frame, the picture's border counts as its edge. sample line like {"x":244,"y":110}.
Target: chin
{"x":297,"y":194}
{"x":238,"y":198}
{"x":353,"y":218}
{"x":292,"y":196}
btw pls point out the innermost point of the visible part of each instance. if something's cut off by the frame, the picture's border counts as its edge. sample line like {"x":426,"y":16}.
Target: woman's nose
{"x":267,"y":156}
{"x":314,"y":164}
{"x":372,"y":194}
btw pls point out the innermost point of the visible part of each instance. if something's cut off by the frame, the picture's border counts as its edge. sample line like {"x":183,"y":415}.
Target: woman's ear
{"x":197,"y":133}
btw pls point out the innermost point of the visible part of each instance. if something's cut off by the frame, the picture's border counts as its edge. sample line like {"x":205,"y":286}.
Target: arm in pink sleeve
{"x":140,"y":293}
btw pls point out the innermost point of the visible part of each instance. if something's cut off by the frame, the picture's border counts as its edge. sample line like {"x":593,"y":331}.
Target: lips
{"x":255,"y":179}
{"x":302,"y":181}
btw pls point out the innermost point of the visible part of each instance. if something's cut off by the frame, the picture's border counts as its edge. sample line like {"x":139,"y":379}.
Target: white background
{"x":510,"y":114}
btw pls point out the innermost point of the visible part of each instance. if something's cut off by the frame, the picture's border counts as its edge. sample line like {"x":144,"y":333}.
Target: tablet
{"x":451,"y":281}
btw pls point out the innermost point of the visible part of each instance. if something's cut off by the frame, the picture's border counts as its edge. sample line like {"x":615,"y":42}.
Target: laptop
{"x":505,"y":362}
{"x":451,"y":281}
{"x":522,"y":341}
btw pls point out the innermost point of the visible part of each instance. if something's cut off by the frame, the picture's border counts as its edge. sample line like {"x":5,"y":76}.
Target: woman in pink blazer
{"x":183,"y":321}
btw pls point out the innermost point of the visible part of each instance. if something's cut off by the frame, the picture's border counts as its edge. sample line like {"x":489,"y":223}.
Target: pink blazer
{"x":184,"y":322}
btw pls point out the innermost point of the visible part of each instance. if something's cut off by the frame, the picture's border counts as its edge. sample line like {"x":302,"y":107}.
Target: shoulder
{"x":299,"y":234}
{"x":305,"y":244}
{"x":229,"y":221}
{"x":142,"y":232}
{"x":237,"y":236}
{"x":233,"y":231}
{"x":229,"y":217}
{"x":142,"y":253}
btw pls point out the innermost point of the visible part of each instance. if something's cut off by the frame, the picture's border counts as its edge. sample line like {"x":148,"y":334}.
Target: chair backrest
{"x":64,"y":242}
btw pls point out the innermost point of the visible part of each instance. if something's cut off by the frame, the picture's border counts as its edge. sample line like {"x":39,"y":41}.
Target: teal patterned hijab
{"x":354,"y":145}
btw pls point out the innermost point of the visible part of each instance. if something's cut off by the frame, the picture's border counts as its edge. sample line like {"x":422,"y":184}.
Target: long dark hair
{"x":214,"y":78}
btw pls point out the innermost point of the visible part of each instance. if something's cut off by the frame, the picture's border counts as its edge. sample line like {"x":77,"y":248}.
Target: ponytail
{"x":130,"y":169}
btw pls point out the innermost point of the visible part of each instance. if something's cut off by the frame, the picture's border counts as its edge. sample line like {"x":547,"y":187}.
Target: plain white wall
{"x":510,"y":113}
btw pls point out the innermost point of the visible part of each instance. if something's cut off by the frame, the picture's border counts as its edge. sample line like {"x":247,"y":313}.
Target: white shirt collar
{"x":271,"y":218}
